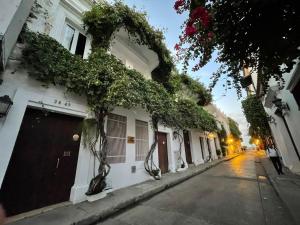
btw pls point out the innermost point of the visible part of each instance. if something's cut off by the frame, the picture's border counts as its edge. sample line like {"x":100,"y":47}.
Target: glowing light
{"x":210,"y":135}
{"x":230,"y":140}
{"x":257,"y":141}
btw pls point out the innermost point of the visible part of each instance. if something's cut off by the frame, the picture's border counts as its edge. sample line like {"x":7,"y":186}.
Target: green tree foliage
{"x":234,"y":128}
{"x":256,"y":116}
{"x":263,"y":35}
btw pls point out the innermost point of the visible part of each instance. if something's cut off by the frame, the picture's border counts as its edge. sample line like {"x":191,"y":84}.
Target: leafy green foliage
{"x":256,"y":116}
{"x":203,"y":96}
{"x":262,"y":35}
{"x":107,"y":83}
{"x":234,"y":128}
{"x":104,"y":19}
{"x":191,"y":115}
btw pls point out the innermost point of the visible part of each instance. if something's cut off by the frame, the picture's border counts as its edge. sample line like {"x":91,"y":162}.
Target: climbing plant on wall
{"x":198,"y":90}
{"x":256,"y":116}
{"x":104,"y":20}
{"x":234,"y":128}
{"x":107,"y":83}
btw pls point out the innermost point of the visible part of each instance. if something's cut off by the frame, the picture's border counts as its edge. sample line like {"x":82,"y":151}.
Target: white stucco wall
{"x":219,"y":116}
{"x":196,"y":147}
{"x":13,"y":14}
{"x":26,"y":92}
{"x":292,"y":116}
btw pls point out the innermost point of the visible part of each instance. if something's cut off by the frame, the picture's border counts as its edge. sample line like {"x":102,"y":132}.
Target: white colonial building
{"x":43,"y":162}
{"x":282,"y":104}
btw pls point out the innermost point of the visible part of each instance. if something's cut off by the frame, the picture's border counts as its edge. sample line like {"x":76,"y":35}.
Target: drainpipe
{"x":279,"y":113}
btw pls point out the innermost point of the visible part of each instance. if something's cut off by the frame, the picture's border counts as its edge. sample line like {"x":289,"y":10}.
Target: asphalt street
{"x":236,"y":192}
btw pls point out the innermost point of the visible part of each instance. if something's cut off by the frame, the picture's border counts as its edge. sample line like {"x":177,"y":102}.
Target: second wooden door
{"x":163,"y":152}
{"x":187,"y":147}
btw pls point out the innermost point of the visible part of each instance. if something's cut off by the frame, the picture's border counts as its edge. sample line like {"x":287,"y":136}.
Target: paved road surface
{"x":233,"y":193}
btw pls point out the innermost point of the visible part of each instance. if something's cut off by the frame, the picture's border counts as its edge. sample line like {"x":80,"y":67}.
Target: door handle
{"x":57,"y":163}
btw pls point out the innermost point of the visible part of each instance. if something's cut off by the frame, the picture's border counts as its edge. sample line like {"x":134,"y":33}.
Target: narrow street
{"x":235,"y":192}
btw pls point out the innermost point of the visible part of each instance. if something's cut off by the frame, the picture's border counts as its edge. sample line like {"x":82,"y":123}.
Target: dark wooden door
{"x":187,"y":147}
{"x":202,"y":147}
{"x":163,"y":152}
{"x":42,"y":167}
{"x":208,"y":148}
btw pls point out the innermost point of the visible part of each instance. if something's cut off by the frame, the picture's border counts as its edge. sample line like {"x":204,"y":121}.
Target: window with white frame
{"x":116,"y":138}
{"x":74,"y":40}
{"x":141,"y":140}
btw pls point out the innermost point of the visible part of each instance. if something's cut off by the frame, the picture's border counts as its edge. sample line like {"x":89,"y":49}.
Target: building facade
{"x":281,"y":103}
{"x":40,"y":137}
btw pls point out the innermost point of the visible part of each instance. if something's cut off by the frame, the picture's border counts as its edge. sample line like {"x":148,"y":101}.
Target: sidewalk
{"x":90,"y":213}
{"x":286,"y":186}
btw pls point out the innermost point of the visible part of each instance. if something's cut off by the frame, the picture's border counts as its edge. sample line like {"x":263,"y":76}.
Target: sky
{"x":162,"y":15}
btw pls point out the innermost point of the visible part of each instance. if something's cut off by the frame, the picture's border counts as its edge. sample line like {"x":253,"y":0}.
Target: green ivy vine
{"x":197,"y":89}
{"x":256,"y":116}
{"x":234,"y":128}
{"x":105,"y":19}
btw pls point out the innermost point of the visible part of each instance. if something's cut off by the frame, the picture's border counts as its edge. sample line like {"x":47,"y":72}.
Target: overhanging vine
{"x":104,"y":20}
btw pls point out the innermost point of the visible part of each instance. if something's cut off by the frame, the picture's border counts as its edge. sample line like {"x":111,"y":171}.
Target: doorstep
{"x":85,"y":213}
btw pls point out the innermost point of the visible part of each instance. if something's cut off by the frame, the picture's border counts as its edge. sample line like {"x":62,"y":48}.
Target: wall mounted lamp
{"x":280,"y":104}
{"x":271,"y":119}
{"x":5,"y":104}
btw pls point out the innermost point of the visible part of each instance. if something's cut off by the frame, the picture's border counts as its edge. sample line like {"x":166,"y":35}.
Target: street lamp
{"x":229,"y":140}
{"x":5,"y":104}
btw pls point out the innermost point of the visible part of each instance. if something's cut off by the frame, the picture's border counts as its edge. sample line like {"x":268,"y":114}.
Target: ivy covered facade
{"x":122,"y":99}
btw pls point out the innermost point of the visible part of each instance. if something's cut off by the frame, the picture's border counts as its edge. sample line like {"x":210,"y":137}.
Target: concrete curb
{"x":138,"y":198}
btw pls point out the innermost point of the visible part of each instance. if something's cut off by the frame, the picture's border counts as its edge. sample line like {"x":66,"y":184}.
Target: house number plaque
{"x":67,"y":153}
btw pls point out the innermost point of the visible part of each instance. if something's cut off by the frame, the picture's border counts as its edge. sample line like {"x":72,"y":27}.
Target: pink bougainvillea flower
{"x":177,"y":47}
{"x":190,"y":23}
{"x":198,"y":13}
{"x":190,"y":30}
{"x":205,"y":21}
{"x":202,"y":14}
{"x":178,"y":4}
{"x":210,"y":34}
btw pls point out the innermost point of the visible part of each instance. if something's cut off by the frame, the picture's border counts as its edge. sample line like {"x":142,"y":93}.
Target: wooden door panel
{"x":163,"y":152}
{"x":32,"y":178}
{"x":187,"y":147}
